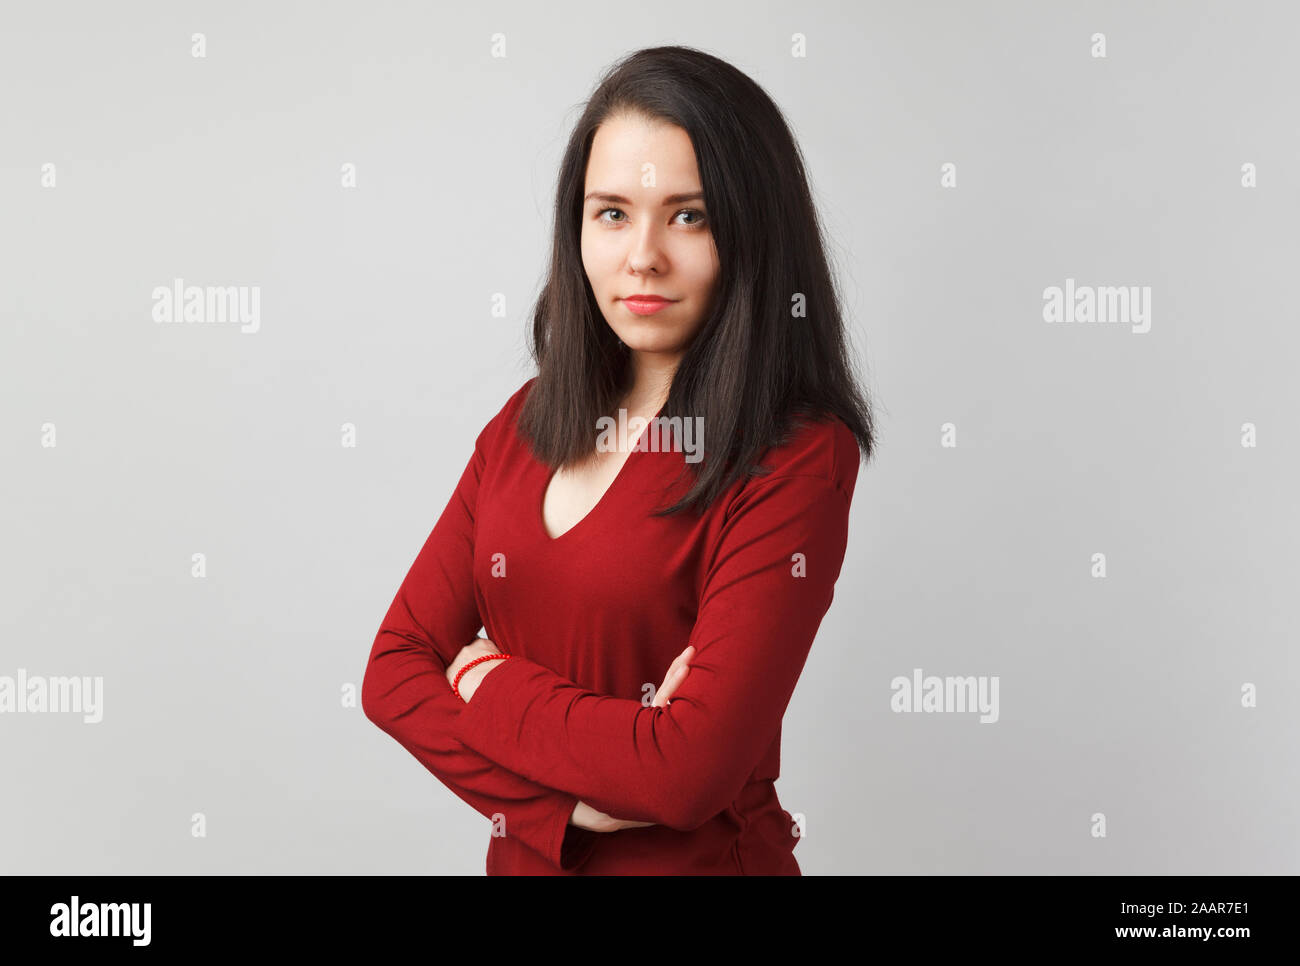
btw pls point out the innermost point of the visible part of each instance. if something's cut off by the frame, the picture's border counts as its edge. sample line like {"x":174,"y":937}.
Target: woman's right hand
{"x":584,"y":816}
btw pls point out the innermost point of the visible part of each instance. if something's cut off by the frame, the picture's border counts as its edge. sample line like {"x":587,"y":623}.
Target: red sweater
{"x":593,"y":618}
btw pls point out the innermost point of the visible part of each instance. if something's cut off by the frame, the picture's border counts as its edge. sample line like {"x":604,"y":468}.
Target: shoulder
{"x":818,"y":448}
{"x":500,"y":428}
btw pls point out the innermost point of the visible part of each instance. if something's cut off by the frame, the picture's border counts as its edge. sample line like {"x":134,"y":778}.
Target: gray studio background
{"x":222,"y":695}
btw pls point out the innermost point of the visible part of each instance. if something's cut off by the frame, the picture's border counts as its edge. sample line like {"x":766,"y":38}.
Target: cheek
{"x":584,"y":251}
{"x":703,"y":261}
{"x":704,"y":280}
{"x":595,"y":261}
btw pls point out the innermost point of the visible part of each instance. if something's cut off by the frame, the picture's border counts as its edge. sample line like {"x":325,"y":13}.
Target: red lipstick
{"x":646,"y":304}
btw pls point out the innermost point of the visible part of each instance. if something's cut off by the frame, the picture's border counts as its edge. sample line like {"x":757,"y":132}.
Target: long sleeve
{"x":405,"y":691}
{"x":769,"y":582}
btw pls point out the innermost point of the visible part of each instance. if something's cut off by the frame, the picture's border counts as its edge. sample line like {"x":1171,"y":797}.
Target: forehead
{"x":623,"y":146}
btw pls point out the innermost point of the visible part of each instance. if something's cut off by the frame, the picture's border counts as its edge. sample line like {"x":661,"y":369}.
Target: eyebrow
{"x":620,"y":200}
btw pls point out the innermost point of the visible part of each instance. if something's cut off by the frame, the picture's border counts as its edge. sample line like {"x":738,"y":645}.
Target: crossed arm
{"x":534,"y":746}
{"x":405,"y":692}
{"x":769,"y":581}
{"x":466,"y":682}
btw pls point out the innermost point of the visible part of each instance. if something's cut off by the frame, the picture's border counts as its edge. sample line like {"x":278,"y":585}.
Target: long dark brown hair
{"x":773,"y":347}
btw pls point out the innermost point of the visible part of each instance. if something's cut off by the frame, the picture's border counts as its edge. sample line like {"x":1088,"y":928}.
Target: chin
{"x":647,"y":342}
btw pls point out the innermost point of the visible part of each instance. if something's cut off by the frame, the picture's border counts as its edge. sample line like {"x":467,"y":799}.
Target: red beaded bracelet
{"x":455,"y":685}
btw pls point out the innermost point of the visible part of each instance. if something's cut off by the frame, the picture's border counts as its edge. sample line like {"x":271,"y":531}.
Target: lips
{"x":646,"y":304}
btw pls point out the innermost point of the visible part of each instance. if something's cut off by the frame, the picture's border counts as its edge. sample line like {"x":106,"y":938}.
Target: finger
{"x":669,"y":687}
{"x":680,"y":660}
{"x":674,"y":676}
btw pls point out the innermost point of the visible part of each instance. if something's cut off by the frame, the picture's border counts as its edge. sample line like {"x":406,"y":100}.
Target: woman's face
{"x":645,"y":231}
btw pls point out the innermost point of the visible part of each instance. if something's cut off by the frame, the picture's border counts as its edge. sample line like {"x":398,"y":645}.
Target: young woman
{"x":689,"y":285}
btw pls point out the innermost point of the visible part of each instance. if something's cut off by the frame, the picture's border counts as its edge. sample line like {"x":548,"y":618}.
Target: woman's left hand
{"x":469,"y":681}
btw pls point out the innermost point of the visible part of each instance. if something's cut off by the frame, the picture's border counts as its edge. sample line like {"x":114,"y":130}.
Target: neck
{"x":652,"y":377}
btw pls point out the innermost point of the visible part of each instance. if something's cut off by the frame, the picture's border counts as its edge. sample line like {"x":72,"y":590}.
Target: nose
{"x":647,"y":254}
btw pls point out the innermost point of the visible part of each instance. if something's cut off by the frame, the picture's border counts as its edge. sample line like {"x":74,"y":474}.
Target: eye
{"x":699,"y":216}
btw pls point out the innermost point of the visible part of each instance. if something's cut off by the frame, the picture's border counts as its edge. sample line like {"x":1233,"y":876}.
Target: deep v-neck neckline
{"x":549,"y":477}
